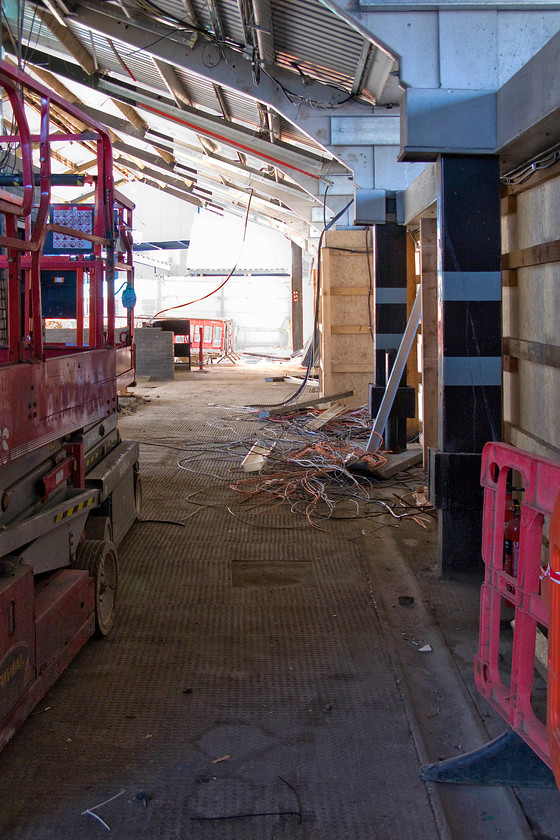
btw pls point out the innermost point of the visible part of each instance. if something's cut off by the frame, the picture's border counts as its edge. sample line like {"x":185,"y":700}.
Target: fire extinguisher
{"x":511,"y":545}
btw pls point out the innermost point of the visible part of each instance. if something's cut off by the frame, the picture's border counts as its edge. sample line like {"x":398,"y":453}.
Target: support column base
{"x":459,"y":539}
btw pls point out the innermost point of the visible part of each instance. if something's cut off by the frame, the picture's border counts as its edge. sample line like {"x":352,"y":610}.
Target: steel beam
{"x":238,"y":137}
{"x":529,"y":108}
{"x":241,"y":173}
{"x":233,"y":72}
{"x":65,"y":36}
{"x":262,"y":16}
{"x":172,"y":82}
{"x":231,"y":69}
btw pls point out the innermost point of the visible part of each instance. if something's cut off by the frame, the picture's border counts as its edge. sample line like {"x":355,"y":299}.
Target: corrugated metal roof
{"x":303,"y":36}
{"x":200,"y":91}
{"x":306,"y":34}
{"x":134,"y":65}
{"x":231,"y":20}
{"x":242,"y":108}
{"x":34,"y":33}
{"x":289,"y":133}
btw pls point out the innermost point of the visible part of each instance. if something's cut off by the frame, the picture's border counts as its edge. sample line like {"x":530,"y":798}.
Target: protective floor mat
{"x":247,"y":690}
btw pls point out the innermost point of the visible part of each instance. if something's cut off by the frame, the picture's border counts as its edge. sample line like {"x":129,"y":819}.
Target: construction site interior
{"x":280,"y":419}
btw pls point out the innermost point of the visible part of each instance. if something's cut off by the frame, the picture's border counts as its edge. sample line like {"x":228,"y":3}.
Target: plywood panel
{"x":412,"y":373}
{"x":346,"y":342}
{"x":531,"y":396}
{"x":428,"y":273}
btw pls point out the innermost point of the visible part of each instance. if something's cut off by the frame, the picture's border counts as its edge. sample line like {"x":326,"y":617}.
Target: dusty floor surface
{"x":262,"y":680}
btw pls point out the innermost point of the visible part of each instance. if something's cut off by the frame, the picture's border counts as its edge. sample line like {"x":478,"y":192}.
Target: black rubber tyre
{"x":99,"y":528}
{"x":99,"y":558}
{"x":138,"y":494}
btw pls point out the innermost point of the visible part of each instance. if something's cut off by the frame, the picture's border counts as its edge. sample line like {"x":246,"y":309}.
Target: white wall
{"x":158,"y":216}
{"x":217,"y":242}
{"x":260,"y":306}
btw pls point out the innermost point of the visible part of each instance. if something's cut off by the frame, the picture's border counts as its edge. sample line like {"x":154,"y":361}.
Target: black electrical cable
{"x":369,"y":253}
{"x":217,"y":289}
{"x":311,"y":358}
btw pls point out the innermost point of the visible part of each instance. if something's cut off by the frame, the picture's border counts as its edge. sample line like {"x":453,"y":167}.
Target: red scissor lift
{"x":69,"y":486}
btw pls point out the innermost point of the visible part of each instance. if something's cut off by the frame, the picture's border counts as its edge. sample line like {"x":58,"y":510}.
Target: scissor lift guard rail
{"x":68,"y":484}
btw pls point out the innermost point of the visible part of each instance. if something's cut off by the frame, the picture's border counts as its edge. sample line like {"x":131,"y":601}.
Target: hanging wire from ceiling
{"x":312,"y":352}
{"x":217,"y":289}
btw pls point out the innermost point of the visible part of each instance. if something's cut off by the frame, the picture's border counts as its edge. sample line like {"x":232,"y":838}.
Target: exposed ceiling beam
{"x":172,"y":82}
{"x":242,"y":11}
{"x":216,"y":19}
{"x":262,"y":20}
{"x":177,"y":90}
{"x":244,"y":177}
{"x":74,"y":47}
{"x":281,"y":90}
{"x":261,"y":202}
{"x":361,"y":70}
{"x":132,"y":155}
{"x":191,"y":14}
{"x":313,"y":120}
{"x":229,"y":70}
{"x":222,"y":102}
{"x":285,"y":191}
{"x":127,"y":110}
{"x":225,"y":113}
{"x":281,"y":155}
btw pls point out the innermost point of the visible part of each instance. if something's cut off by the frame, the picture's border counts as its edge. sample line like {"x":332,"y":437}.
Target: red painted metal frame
{"x":25,"y":338}
{"x":541,"y":481}
{"x":44,"y":402}
{"x":49,"y":392}
{"x":27,"y":344}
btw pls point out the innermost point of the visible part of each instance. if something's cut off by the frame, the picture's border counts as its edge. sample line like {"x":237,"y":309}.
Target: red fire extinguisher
{"x":511,"y":545}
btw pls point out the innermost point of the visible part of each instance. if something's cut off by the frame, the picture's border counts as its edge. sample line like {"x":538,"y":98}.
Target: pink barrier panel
{"x":541,"y":480}
{"x":553,"y":710}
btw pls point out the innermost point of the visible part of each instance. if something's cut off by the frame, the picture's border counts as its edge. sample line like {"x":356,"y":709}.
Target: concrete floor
{"x":262,"y":680}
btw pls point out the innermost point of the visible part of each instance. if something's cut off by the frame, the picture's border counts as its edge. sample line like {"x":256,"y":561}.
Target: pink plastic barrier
{"x":531,"y":595}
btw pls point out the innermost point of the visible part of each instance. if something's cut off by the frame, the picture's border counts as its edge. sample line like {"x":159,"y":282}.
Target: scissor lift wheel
{"x":138,"y":494}
{"x":99,"y":558}
{"x":99,"y":528}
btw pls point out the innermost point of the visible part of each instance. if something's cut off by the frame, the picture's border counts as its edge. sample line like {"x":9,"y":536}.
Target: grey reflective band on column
{"x":388,"y":341}
{"x":472,"y":370}
{"x":471,"y":285}
{"x":389,"y":294}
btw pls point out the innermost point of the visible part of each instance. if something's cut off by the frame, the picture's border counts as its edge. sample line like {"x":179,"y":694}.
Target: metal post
{"x":395,"y":377}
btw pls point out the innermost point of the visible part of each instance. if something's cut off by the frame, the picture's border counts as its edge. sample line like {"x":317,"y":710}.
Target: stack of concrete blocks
{"x":154,"y":353}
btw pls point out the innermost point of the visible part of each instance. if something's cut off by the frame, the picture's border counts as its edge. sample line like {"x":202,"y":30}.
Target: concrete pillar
{"x":469,"y":349}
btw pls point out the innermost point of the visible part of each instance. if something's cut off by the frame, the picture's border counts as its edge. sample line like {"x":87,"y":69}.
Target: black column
{"x":469,"y":349}
{"x":390,"y":278}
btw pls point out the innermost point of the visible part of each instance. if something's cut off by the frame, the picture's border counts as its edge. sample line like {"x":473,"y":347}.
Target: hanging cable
{"x":311,"y":354}
{"x":213,"y":292}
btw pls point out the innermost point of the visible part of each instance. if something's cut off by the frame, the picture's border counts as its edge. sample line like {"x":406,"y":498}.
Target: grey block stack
{"x":154,"y":353}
